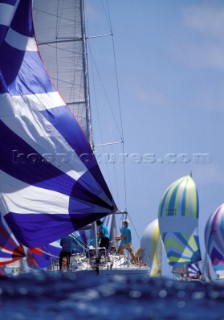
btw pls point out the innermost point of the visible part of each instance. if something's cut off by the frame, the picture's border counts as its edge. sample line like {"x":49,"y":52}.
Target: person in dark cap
{"x":103,"y":234}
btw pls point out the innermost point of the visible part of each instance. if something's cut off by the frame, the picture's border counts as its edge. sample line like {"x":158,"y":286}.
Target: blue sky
{"x":170,"y":62}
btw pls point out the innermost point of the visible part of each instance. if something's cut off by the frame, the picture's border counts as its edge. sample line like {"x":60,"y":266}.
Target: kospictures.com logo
{"x":59,"y":159}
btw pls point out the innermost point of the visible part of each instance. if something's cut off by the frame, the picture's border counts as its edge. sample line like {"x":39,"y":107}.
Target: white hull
{"x":117,"y":265}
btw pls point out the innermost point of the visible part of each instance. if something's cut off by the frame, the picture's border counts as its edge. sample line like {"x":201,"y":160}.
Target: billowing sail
{"x":50,"y":181}
{"x":194,"y":271}
{"x":214,"y":240}
{"x":178,"y":222}
{"x":151,"y":248}
{"x":10,"y":249}
{"x":60,"y":34}
{"x":42,"y":257}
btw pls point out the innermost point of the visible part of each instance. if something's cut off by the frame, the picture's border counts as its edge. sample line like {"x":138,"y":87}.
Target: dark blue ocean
{"x":64,"y":296}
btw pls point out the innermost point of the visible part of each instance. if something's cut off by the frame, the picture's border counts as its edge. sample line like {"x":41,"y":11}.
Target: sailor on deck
{"x":126,"y":240}
{"x":66,"y":251}
{"x":103,"y":234}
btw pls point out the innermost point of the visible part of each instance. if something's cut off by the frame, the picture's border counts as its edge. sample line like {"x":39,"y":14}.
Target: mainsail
{"x":151,"y":248}
{"x":178,"y":222}
{"x":51,"y":184}
{"x":214,"y":240}
{"x":60,"y":33}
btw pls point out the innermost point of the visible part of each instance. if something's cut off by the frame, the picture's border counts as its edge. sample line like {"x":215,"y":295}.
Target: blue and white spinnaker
{"x":51,"y":184}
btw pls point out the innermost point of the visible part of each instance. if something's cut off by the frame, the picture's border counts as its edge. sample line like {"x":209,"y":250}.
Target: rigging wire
{"x":108,"y":17}
{"x":106,"y":10}
{"x":99,"y":128}
{"x":98,"y":115}
{"x":107,"y":14}
{"x":115,"y":191}
{"x":118,"y":93}
{"x":105,"y":92}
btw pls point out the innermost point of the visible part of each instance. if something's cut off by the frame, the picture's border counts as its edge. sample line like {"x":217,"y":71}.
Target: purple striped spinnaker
{"x":214,"y":239}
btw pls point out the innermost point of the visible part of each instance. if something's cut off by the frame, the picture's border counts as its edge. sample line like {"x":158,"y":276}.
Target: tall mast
{"x":86,"y":77}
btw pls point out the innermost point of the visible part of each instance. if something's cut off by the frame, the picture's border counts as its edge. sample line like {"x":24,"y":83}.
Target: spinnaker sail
{"x":194,"y":271}
{"x":51,"y":183}
{"x":178,"y":222}
{"x":42,"y":257}
{"x":151,"y":248}
{"x":10,"y":249}
{"x":214,"y":240}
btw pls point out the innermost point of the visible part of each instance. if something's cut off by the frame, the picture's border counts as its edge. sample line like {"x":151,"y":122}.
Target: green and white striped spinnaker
{"x":178,"y":222}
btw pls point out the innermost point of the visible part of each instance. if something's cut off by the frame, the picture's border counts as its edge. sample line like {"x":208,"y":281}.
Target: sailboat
{"x":151,"y":248}
{"x":214,"y":241}
{"x":15,"y":258}
{"x":178,"y":224}
{"x":51,"y":183}
{"x":194,"y":271}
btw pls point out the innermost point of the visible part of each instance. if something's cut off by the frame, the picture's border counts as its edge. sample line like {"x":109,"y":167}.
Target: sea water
{"x":65,"y":296}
